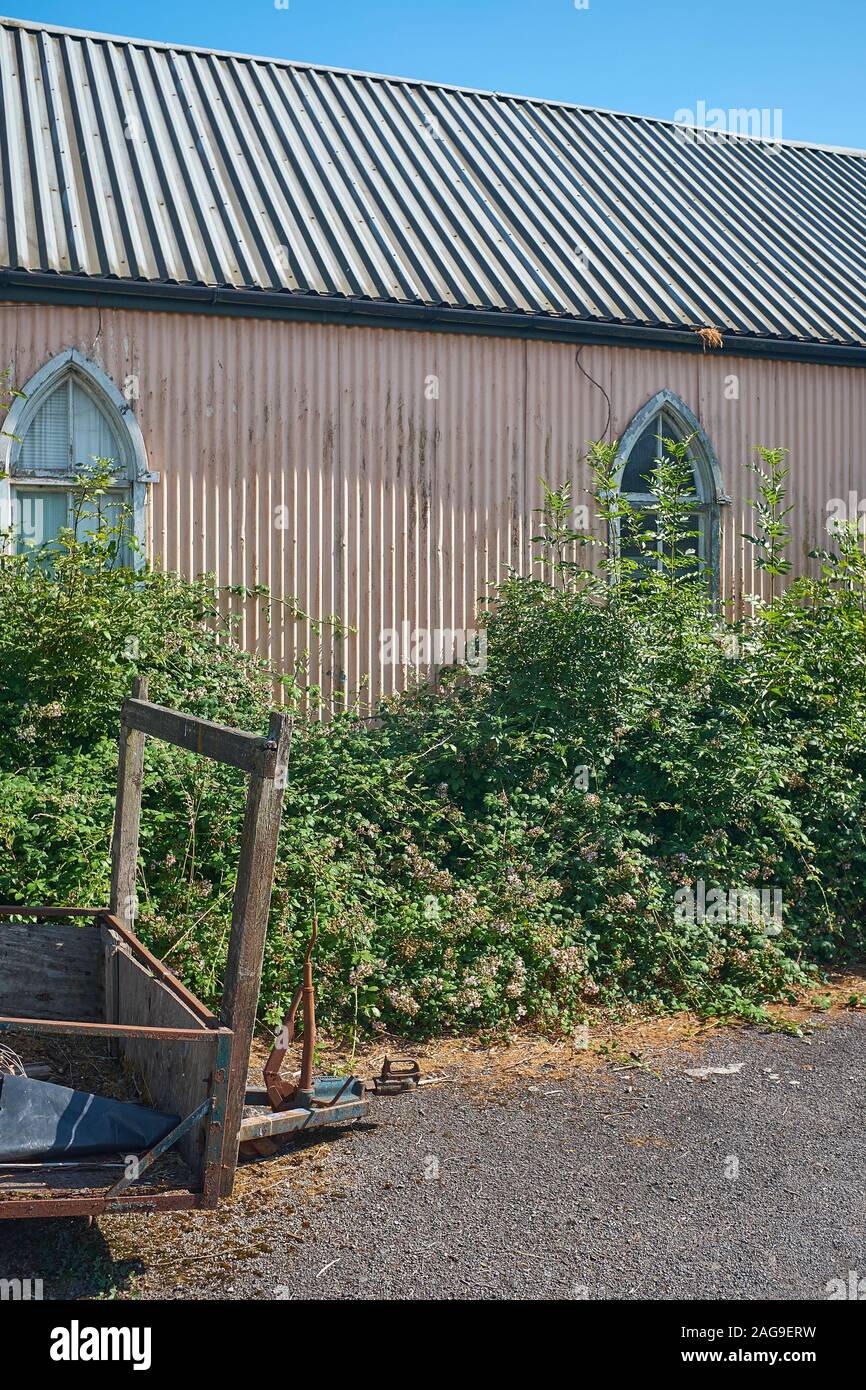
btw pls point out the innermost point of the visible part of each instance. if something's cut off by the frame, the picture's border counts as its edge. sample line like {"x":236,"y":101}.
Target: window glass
{"x":69,"y":430}
{"x":637,"y":485}
{"x":92,"y":435}
{"x":641,"y":463}
{"x":637,"y":536}
{"x":46,"y":445}
{"x":39,"y":515}
{"x":108,"y":508}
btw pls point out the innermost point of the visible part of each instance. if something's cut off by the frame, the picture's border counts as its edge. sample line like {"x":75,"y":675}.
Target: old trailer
{"x":82,"y":975}
{"x":78,"y":974}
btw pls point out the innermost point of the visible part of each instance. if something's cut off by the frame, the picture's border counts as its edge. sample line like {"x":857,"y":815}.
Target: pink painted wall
{"x":408,"y":464}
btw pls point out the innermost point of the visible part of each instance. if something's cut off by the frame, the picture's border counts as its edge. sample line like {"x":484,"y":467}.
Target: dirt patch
{"x":637,"y":1041}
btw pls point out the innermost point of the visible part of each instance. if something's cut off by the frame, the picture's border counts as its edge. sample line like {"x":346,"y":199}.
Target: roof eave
{"x":40,"y":287}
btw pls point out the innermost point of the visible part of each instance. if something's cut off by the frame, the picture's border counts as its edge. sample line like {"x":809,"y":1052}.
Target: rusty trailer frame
{"x":155,"y":988}
{"x":111,"y":986}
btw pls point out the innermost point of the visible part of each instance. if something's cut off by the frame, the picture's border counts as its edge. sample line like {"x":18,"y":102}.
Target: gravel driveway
{"x":622,"y":1184}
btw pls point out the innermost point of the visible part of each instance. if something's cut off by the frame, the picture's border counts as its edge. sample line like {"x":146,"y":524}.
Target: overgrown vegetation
{"x":497,"y":847}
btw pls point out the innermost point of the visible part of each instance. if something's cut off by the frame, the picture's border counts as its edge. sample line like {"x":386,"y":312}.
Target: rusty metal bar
{"x":287,"y":1121}
{"x":103,"y":1030}
{"x":162,"y":972}
{"x":85,"y":1165}
{"x":147,"y":1160}
{"x":13,"y":1208}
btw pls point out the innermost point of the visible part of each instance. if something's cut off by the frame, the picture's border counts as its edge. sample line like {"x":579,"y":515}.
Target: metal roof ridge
{"x":426,"y":83}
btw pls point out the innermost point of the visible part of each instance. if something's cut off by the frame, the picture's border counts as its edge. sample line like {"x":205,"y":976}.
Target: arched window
{"x":667,"y":417}
{"x":67,"y":416}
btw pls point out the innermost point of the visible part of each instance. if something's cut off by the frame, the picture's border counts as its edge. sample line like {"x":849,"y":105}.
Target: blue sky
{"x":804,"y":58}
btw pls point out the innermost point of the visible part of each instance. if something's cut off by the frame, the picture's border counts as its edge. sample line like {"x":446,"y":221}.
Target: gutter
{"x":40,"y":287}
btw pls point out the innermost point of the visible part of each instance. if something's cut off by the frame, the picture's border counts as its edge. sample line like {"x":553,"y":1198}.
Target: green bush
{"x":497,"y":847}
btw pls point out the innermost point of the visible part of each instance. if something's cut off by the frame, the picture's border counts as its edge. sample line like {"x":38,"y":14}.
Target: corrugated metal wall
{"x":408,"y":464}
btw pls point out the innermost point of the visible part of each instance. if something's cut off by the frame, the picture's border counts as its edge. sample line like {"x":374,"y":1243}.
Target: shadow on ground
{"x":69,"y":1255}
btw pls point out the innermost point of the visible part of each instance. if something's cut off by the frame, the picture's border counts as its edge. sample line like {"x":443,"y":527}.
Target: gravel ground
{"x":619,"y":1184}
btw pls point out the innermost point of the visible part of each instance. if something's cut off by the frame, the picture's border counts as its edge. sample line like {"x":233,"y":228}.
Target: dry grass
{"x":79,"y":1062}
{"x":523,"y":1053}
{"x":710,"y":337}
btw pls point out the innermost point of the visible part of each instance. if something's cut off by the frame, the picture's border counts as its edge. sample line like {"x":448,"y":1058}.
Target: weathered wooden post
{"x":127,"y":816}
{"x":124,"y":850}
{"x":250,"y":908}
{"x":266,"y":761}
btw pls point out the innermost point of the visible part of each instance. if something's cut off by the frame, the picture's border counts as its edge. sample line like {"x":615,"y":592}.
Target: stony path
{"x":620,"y":1184}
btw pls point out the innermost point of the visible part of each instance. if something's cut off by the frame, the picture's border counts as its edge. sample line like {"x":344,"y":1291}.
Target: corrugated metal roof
{"x":169,"y":165}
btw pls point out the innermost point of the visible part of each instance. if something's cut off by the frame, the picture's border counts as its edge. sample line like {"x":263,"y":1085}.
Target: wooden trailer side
{"x":63,"y":978}
{"x":178,"y":1076}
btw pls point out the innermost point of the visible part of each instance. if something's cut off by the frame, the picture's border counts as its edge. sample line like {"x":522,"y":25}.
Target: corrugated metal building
{"x":336,"y":327}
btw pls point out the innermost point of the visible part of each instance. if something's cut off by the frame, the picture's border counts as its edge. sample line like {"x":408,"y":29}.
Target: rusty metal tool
{"x":305,"y":1103}
{"x":398,"y":1074}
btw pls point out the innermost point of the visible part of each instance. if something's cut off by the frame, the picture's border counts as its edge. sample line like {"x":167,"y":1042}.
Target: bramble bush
{"x":491,"y":848}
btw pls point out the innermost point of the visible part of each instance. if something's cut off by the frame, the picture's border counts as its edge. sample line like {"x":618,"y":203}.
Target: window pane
{"x":670,"y":428}
{"x":93,"y":435}
{"x":45,"y":448}
{"x":638,"y":471}
{"x":107,"y":512}
{"x":39,"y":515}
{"x":641,"y":460}
{"x":693,"y":545}
{"x":106,"y":508}
{"x":637,"y":540}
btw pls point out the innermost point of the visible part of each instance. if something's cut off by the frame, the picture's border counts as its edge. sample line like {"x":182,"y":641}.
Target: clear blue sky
{"x":655,"y":57}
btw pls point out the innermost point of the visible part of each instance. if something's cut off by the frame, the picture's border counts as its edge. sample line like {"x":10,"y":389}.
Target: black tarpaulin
{"x":40,"y":1120}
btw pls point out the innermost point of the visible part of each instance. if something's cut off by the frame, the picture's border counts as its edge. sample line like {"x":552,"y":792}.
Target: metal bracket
{"x":148,"y":1159}
{"x":398,"y":1074}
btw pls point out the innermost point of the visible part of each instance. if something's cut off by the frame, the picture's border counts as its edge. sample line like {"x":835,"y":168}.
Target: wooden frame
{"x":266,"y":760}
{"x":196,"y":1063}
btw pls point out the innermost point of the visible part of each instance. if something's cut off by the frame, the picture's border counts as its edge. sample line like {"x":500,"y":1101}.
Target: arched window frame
{"x":98,"y":385}
{"x":711,"y":496}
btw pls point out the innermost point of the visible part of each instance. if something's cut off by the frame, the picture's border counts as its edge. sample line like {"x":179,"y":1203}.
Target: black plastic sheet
{"x":39,"y":1120}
